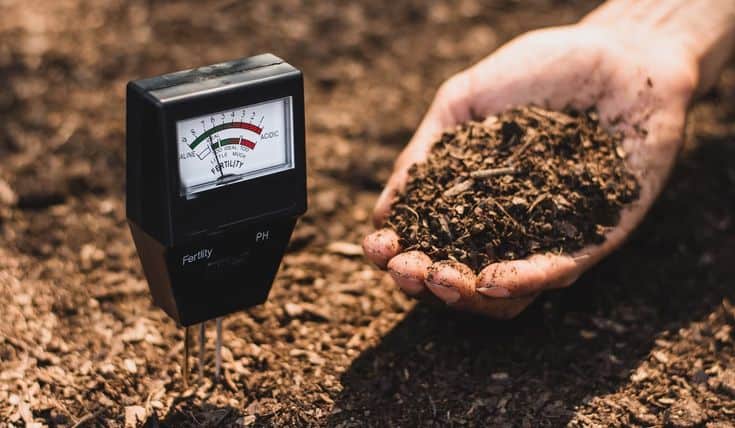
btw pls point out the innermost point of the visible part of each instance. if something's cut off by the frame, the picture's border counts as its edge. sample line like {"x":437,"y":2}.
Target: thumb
{"x":451,"y":106}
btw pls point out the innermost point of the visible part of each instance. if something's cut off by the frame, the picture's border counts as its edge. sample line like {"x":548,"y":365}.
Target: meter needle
{"x":218,"y":350}
{"x":216,"y":157}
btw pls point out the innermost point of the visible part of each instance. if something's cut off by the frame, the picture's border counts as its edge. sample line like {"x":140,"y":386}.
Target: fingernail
{"x":498,"y":292}
{"x":409,"y":284}
{"x":448,"y":294}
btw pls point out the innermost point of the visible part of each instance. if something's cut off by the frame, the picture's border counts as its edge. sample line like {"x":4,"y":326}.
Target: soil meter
{"x":216,"y":179}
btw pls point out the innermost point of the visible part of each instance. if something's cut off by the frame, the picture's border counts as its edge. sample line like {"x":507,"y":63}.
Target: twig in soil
{"x":445,"y":226}
{"x":89,"y":417}
{"x":463,"y":237}
{"x":537,"y":201}
{"x":559,"y":117}
{"x":228,"y":381}
{"x":456,"y":156}
{"x":492,"y":172}
{"x":530,"y":138}
{"x":409,"y":209}
{"x":458,"y":188}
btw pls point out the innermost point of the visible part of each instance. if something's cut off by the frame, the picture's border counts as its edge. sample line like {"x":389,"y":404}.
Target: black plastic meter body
{"x":216,"y":179}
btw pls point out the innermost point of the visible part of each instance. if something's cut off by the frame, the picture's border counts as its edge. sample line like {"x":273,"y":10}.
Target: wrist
{"x":697,"y":35}
{"x":655,"y":54}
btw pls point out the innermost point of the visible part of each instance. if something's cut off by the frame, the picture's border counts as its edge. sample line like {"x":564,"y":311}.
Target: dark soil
{"x":526,"y":181}
{"x":645,"y":338}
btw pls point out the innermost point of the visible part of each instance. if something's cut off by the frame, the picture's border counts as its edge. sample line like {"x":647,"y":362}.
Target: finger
{"x":518,"y":278}
{"x":450,"y":107}
{"x":381,"y":246}
{"x":409,"y":271}
{"x":450,"y":281}
{"x":454,"y":283}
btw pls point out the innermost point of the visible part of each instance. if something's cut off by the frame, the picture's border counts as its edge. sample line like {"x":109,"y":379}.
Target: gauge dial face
{"x":234,"y":145}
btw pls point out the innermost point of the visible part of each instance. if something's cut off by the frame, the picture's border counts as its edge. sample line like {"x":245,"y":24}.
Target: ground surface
{"x":644,"y":339}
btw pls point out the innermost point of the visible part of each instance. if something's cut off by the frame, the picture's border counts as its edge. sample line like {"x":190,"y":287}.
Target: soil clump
{"x":526,"y":181}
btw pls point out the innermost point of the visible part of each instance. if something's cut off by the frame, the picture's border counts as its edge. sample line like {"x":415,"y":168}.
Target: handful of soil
{"x":526,"y":181}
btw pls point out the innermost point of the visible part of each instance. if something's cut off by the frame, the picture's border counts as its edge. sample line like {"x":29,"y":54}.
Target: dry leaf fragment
{"x":134,"y":415}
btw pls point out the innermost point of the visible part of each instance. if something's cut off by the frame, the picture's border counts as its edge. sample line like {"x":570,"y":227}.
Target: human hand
{"x":641,"y":86}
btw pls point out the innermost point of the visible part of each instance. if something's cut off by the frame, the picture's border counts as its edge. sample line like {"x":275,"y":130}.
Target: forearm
{"x":705,"y":29}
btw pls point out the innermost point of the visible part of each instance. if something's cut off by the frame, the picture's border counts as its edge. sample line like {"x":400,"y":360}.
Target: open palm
{"x":641,"y":92}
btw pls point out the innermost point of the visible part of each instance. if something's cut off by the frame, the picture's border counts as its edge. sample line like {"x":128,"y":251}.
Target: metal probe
{"x":202,"y":347}
{"x":187,"y":342}
{"x":218,"y":350}
{"x":202,"y":340}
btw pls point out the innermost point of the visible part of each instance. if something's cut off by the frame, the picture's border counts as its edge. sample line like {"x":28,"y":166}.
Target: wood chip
{"x":345,"y":248}
{"x":458,"y":188}
{"x":7,"y":195}
{"x":492,"y":172}
{"x":134,"y":415}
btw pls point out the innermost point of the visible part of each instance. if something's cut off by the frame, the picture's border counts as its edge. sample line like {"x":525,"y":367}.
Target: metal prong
{"x":202,"y":343}
{"x":187,"y":343}
{"x":218,"y":350}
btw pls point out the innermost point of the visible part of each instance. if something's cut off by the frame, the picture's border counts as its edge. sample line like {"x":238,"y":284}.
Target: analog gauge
{"x":235,"y":145}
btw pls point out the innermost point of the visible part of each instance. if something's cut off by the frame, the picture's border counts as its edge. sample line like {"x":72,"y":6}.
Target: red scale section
{"x":249,"y":127}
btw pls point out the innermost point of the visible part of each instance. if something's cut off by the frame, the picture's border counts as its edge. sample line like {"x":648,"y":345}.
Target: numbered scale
{"x":216,"y":179}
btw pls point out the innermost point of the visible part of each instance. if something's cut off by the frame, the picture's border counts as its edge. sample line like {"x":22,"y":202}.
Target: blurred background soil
{"x":646,"y":338}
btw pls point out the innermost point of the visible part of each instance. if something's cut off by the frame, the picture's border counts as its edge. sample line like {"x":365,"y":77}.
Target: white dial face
{"x":235,"y":145}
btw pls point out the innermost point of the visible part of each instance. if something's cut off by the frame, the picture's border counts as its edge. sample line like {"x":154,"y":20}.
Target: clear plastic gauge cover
{"x":235,"y":145}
